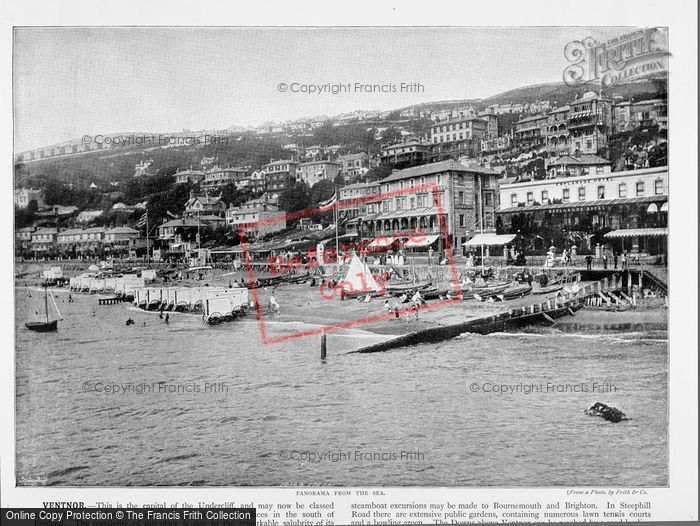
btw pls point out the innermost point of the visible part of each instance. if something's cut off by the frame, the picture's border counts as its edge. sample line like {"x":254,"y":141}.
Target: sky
{"x":69,"y":82}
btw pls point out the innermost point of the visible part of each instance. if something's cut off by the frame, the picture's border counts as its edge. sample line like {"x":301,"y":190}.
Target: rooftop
{"x":585,"y":159}
{"x":433,"y":168}
{"x":457,"y":119}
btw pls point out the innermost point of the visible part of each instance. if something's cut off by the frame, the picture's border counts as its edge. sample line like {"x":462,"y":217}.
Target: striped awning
{"x":490,"y":240}
{"x":421,"y":241}
{"x":637,"y":232}
{"x":382,"y":242}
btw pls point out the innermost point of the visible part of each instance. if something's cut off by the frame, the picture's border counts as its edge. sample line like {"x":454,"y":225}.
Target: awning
{"x":652,"y":208}
{"x":637,"y":232}
{"x":664,"y":207}
{"x":382,"y":242}
{"x":234,"y":250}
{"x":576,"y":205}
{"x":490,"y":239}
{"x":420,"y":241}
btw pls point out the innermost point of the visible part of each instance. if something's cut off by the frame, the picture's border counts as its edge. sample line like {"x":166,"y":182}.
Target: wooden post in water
{"x":629,"y":282}
{"x":323,"y":346}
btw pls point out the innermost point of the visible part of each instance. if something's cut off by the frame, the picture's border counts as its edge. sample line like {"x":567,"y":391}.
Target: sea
{"x":100,"y":403}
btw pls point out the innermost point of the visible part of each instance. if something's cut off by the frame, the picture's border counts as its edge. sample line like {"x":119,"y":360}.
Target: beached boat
{"x":47,"y":325}
{"x":407,"y":286}
{"x":548,"y":289}
{"x":484,"y":293}
{"x":516,"y":291}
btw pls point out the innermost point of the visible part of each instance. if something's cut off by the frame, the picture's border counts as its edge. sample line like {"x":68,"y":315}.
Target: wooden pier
{"x":112,"y":301}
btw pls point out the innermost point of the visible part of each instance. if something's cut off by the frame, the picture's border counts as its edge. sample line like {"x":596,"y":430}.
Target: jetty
{"x":112,"y":301}
{"x":547,"y":311}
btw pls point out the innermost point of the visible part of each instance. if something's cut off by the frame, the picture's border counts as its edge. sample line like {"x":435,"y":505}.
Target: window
{"x":530,"y":198}
{"x":545,"y":196}
{"x":461,"y":220}
{"x":582,"y":193}
{"x":460,"y":198}
{"x":601,"y":192}
{"x":589,"y":144}
{"x":565,"y":194}
{"x":413,"y":202}
{"x":622,"y":190}
{"x":640,"y":188}
{"x":599,"y":169}
{"x":385,"y":206}
{"x":513,"y":199}
{"x":488,"y":199}
{"x":421,"y":201}
{"x":658,"y":187}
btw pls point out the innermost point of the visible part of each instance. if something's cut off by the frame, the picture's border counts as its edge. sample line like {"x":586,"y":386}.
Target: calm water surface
{"x":282,"y":401}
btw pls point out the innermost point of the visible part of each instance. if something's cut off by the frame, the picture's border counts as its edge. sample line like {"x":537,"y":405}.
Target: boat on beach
{"x":399,"y":288}
{"x":516,"y":291}
{"x":548,"y":289}
{"x":47,"y":325}
{"x":485,"y":293}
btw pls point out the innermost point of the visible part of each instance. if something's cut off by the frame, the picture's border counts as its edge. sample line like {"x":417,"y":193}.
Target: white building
{"x":248,"y":216}
{"x":315,"y":171}
{"x":647,"y":182}
{"x":23,"y":196}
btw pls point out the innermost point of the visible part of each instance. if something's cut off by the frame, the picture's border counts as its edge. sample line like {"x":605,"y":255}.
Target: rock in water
{"x":611,"y":414}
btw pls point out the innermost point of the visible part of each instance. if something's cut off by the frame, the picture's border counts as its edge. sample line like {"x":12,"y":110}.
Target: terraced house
{"x":279,"y":174}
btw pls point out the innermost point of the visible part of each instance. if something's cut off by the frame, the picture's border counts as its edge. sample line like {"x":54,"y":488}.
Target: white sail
{"x":56,"y":306}
{"x":358,"y":278}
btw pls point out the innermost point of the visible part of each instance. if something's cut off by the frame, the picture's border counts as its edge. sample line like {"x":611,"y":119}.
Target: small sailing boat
{"x":45,"y":326}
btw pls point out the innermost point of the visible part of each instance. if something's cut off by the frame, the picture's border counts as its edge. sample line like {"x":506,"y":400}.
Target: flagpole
{"x":148,"y":246}
{"x":335,"y":210}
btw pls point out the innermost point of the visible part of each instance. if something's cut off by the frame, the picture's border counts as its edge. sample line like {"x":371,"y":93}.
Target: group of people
{"x":623,"y":260}
{"x":415,"y":302}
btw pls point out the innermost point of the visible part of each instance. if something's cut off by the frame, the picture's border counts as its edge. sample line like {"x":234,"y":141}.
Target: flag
{"x":142,"y":221}
{"x":328,"y":202}
{"x":172,"y":215}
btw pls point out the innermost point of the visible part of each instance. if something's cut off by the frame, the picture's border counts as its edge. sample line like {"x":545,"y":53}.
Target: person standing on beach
{"x":274,"y":306}
{"x":605,"y":260}
{"x":624,"y":261}
{"x":589,"y":262}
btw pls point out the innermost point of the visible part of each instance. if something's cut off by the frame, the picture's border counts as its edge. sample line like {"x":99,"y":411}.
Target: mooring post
{"x":323,"y":346}
{"x":629,"y":282}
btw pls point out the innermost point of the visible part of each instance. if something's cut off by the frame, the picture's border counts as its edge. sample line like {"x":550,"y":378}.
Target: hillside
{"x":251,"y":150}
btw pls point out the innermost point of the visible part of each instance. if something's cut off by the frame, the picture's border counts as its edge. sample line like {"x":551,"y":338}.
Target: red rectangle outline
{"x":433,"y":187}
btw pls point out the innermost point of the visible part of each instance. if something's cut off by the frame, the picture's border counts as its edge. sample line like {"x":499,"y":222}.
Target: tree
{"x":171,"y":200}
{"x":295,"y":197}
{"x":25,"y":216}
{"x":658,"y":155}
{"x":378,"y":173}
{"x":322,"y":191}
{"x":391,"y":136}
{"x":232,"y":196}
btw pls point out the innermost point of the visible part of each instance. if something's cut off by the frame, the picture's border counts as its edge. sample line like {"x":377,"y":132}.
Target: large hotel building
{"x":630,"y":206}
{"x":468,"y":197}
